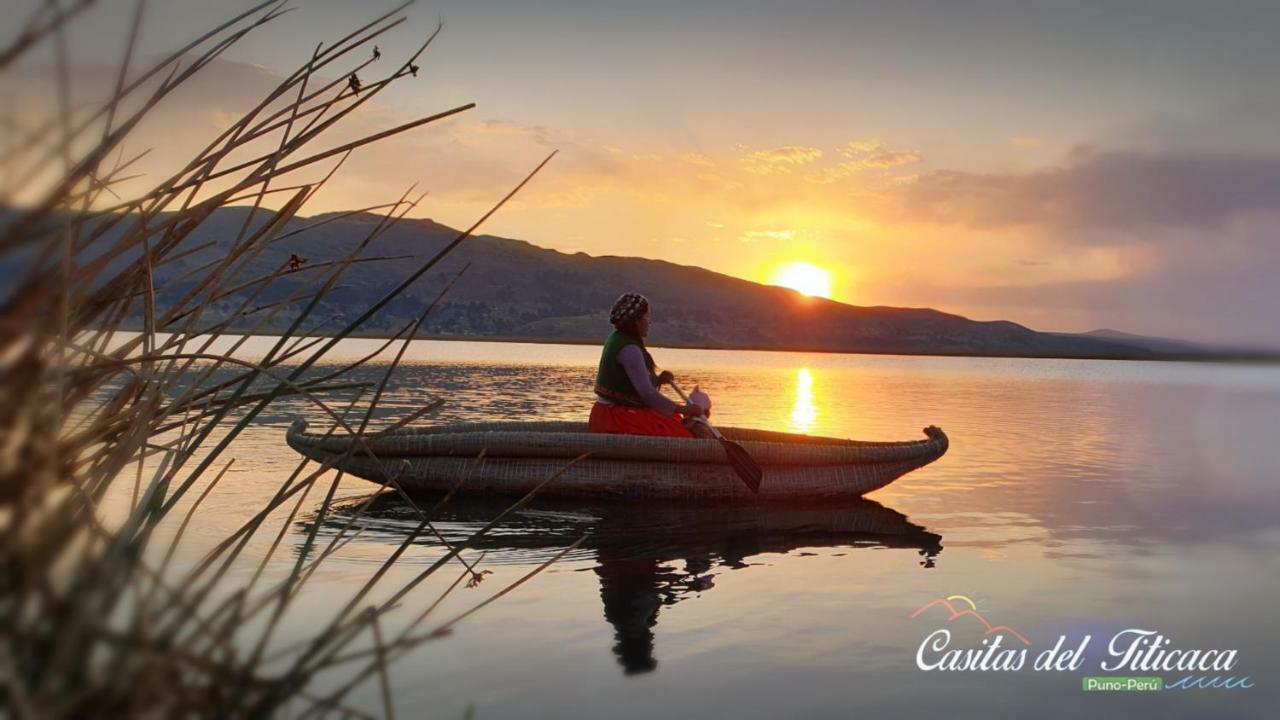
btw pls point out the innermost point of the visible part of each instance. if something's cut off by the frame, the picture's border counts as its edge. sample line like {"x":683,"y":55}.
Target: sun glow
{"x":804,"y":277}
{"x":804,"y":412}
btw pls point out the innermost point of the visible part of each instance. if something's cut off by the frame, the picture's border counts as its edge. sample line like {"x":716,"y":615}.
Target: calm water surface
{"x":1078,"y":497}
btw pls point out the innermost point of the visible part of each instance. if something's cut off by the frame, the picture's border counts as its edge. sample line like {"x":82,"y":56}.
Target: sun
{"x":804,"y":277}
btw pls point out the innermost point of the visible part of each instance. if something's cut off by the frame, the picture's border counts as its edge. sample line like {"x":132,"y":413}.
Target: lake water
{"x":1077,"y":498}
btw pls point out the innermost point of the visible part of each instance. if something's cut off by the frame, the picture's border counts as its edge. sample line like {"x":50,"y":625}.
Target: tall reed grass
{"x":96,"y":618}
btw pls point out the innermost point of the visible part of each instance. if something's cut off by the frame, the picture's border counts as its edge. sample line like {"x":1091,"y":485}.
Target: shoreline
{"x":1258,"y":358}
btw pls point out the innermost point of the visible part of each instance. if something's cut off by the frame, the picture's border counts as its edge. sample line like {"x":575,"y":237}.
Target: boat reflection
{"x":645,"y":557}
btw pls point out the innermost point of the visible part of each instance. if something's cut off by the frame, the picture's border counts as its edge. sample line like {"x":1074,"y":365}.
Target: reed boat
{"x":513,"y":458}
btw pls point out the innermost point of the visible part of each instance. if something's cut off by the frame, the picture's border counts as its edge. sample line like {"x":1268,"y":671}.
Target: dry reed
{"x":94,"y":618}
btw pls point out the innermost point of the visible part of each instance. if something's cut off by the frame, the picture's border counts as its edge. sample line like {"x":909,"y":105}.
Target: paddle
{"x":739,"y":459}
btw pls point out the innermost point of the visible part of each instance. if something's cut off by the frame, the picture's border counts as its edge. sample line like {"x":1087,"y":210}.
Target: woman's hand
{"x":691,"y":410}
{"x":666,"y":378}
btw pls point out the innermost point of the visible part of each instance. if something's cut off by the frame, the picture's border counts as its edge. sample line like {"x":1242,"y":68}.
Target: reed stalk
{"x":107,"y":393}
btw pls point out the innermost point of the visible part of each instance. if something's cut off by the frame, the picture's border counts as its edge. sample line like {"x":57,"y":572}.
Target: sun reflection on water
{"x":804,"y":413}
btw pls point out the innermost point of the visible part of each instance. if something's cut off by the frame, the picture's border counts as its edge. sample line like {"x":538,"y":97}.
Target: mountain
{"x":515,"y":290}
{"x":1156,"y":344}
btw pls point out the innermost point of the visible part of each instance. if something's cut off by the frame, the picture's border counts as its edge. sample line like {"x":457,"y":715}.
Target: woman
{"x":627,"y":397}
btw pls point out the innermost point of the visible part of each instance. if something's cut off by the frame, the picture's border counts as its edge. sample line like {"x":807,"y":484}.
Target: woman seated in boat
{"x":627,"y":397}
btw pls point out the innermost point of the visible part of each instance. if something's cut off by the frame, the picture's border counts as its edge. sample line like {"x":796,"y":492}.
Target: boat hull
{"x":516,"y":458}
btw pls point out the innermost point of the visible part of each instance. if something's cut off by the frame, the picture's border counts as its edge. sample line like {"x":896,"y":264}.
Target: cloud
{"x":886,"y":160}
{"x":1180,"y":243}
{"x":862,"y":155}
{"x":857,"y":148}
{"x":834,"y":173}
{"x":779,"y":160}
{"x":1118,"y":190}
{"x":752,"y":236}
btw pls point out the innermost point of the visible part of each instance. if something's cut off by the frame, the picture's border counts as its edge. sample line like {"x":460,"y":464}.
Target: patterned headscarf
{"x":630,"y":306}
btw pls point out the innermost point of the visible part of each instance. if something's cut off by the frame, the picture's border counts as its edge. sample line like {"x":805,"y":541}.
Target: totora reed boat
{"x":513,"y":458}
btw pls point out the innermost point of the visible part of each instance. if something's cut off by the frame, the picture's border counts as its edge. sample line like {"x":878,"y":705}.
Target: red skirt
{"x":623,"y":420}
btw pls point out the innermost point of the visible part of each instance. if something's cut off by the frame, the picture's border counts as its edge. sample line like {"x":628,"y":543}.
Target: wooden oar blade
{"x":739,"y":459}
{"x":743,"y":464}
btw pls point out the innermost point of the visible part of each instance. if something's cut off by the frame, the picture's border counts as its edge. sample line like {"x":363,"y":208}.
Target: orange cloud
{"x":834,"y":173}
{"x":779,"y":160}
{"x":885,"y":160}
{"x":757,"y":235}
{"x":856,"y":148}
{"x":862,"y":155}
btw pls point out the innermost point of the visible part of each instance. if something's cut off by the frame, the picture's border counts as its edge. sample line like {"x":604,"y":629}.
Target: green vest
{"x":612,"y":382}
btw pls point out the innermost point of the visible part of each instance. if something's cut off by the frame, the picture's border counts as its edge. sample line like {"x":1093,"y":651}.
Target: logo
{"x":1148,"y":654}
{"x":971,"y":611}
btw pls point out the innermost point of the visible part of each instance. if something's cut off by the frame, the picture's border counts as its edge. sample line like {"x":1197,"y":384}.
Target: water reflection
{"x":804,"y":412}
{"x":1121,"y":455}
{"x":1076,"y":490}
{"x":645,"y":557}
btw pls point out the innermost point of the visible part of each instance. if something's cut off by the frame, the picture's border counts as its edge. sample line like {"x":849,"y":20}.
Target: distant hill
{"x":1156,"y":344}
{"x":515,"y":290}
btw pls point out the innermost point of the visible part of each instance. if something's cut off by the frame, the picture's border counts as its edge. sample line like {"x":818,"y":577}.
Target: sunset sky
{"x":1069,"y":166}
